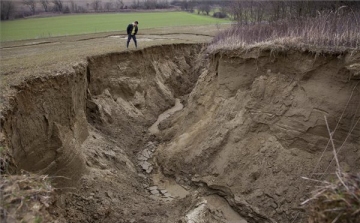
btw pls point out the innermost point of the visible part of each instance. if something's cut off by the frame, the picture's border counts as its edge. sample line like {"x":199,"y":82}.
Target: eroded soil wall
{"x":47,"y":125}
{"x":252,"y":125}
{"x":84,"y":128}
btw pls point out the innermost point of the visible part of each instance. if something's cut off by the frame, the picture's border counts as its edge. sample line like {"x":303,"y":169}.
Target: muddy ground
{"x":171,"y":133}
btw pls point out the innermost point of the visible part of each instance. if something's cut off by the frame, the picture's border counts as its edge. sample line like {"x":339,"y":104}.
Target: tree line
{"x":242,"y":11}
{"x":253,"y":11}
{"x":9,"y":9}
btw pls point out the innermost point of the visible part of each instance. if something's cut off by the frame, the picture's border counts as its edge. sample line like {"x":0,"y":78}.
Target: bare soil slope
{"x":251,"y":126}
{"x":254,"y":125}
{"x":88,"y":125}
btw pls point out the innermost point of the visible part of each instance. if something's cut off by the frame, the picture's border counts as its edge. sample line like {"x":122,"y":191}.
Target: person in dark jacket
{"x":132,"y":30}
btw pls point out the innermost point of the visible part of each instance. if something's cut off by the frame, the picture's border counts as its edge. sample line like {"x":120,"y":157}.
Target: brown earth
{"x":252,"y":125}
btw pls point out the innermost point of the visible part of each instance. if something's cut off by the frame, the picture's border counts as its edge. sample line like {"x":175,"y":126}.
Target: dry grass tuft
{"x":328,"y":31}
{"x":25,"y":197}
{"x":336,"y":202}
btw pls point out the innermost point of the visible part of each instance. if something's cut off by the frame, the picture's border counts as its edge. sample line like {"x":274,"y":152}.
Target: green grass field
{"x":93,"y":23}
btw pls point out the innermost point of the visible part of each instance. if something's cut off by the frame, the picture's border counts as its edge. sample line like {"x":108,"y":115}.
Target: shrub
{"x":66,"y":10}
{"x":337,"y":202}
{"x":220,"y":15}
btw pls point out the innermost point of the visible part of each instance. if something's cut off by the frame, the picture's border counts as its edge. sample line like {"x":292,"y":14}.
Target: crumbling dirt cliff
{"x":251,"y":126}
{"x":254,"y":125}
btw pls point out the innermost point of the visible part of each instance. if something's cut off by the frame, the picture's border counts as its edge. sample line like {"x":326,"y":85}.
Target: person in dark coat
{"x":132,"y":30}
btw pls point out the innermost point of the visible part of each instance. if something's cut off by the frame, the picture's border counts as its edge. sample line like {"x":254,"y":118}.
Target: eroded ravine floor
{"x":88,"y":127}
{"x":251,"y":125}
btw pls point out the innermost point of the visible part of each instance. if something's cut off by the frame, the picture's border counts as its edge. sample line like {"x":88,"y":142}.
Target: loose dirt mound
{"x":251,"y":126}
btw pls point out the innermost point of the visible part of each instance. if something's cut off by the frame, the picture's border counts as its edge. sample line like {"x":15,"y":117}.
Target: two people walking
{"x":132,"y":30}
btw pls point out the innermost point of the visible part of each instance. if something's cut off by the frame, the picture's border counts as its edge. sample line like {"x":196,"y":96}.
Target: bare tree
{"x":7,"y":8}
{"x":162,"y":4}
{"x":66,"y":9}
{"x":108,"y":6}
{"x":119,"y":4}
{"x":150,"y":4}
{"x":136,"y":4}
{"x":31,"y":4}
{"x":257,"y":10}
{"x":235,"y":9}
{"x":73,"y":6}
{"x":58,"y":5}
{"x":45,"y":4}
{"x":223,"y":8}
{"x":188,"y":5}
{"x":205,"y":8}
{"x":96,"y":5}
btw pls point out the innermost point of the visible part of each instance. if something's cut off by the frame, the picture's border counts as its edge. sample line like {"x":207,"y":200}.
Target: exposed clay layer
{"x":251,"y":126}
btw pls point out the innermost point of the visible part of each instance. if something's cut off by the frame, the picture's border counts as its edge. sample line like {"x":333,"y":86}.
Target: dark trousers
{"x":129,"y":38}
